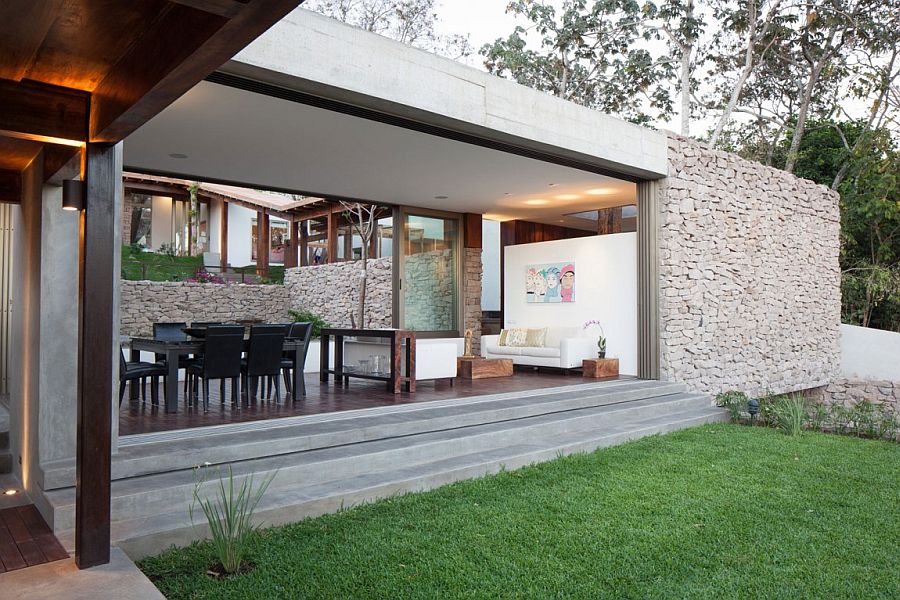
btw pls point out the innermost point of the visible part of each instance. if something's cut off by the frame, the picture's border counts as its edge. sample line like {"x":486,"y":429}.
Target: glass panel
{"x":430,"y":290}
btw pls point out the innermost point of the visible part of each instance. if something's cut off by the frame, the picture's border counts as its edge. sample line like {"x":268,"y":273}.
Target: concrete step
{"x":143,"y":496}
{"x":150,"y":534}
{"x":160,"y":452}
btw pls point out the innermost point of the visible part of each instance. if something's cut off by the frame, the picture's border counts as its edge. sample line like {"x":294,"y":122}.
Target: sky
{"x":483,"y":20}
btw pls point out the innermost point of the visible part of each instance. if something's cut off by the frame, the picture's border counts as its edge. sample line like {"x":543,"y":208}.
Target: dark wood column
{"x":262,"y":243}
{"x":332,"y":237}
{"x":99,"y":335}
{"x":223,"y":236}
{"x":304,"y":243}
{"x":290,"y":251}
{"x":609,"y":220}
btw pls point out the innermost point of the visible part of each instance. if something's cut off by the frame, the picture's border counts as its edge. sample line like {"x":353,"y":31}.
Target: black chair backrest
{"x":264,"y":352}
{"x":222,"y":350}
{"x":301,"y":331}
{"x":169,"y":332}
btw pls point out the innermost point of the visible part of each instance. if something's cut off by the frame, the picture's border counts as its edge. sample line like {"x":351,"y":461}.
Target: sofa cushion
{"x":540,"y":352}
{"x":516,"y":337}
{"x":510,"y":350}
{"x":555,"y":335}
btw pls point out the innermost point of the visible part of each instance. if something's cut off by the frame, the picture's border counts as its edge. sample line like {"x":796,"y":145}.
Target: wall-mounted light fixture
{"x":73,"y":194}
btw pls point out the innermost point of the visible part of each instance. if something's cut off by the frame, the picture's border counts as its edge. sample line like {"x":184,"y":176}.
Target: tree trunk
{"x":686,"y":51}
{"x":800,"y":127}
{"x":363,"y":276}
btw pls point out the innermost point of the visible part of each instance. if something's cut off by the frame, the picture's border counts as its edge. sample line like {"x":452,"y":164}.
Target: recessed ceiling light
{"x":178,"y":155}
{"x":10,"y":492}
{"x":440,"y":197}
{"x":507,"y":194}
{"x":599,"y":191}
{"x":567,"y":197}
{"x":536,"y":202}
{"x":552,"y":184}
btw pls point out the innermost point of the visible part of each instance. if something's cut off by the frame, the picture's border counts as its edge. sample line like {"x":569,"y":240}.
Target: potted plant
{"x":601,"y":339}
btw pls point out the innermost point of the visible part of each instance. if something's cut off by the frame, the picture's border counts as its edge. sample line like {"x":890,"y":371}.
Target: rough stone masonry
{"x":749,"y":276}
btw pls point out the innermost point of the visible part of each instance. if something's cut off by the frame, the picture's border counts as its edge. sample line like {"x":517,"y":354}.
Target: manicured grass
{"x":720,"y":511}
{"x":151,"y":266}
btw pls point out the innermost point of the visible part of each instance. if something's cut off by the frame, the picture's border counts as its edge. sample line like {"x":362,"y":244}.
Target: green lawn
{"x":720,"y":511}
{"x":151,"y":266}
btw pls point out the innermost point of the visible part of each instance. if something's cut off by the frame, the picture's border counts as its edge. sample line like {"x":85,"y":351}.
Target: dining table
{"x":173,"y":349}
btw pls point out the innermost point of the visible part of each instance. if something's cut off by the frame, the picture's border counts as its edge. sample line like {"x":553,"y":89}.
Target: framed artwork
{"x":550,"y":283}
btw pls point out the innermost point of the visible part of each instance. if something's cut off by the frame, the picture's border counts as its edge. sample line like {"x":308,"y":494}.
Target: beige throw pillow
{"x":516,"y":337}
{"x":535,"y":338}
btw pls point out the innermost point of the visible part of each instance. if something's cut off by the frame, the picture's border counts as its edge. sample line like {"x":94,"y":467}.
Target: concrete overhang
{"x":313,"y":54}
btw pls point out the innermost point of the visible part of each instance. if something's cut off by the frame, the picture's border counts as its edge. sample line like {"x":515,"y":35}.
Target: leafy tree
{"x":409,"y":21}
{"x":588,"y":53}
{"x":682,"y":25}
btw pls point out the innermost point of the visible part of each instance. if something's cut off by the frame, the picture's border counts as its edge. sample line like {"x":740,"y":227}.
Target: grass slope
{"x":715,"y":512}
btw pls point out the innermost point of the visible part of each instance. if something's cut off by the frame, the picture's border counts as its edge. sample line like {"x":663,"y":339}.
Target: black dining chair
{"x":129,"y":371}
{"x":263,"y":358}
{"x":173,"y":332}
{"x":222,"y":350}
{"x":298,"y":332}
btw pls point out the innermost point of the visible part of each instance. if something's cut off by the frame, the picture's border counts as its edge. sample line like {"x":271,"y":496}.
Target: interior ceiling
{"x":241,"y":137}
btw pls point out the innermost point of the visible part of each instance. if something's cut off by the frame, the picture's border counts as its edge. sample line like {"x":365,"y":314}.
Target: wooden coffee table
{"x":600,"y":367}
{"x":483,"y":368}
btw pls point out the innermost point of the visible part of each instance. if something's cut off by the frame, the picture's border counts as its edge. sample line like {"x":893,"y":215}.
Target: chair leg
{"x":121,"y":391}
{"x":268,"y":391}
{"x":222,"y":390}
{"x":143,"y":389}
{"x":234,"y":391}
{"x":205,"y":394}
{"x":302,"y":386}
{"x":286,"y":374}
{"x":154,"y":390}
{"x":277,"y":388}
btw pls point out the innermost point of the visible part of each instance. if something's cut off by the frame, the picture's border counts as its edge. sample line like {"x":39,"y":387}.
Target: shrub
{"x":229,"y":514}
{"x":818,"y":417}
{"x":887,"y":423}
{"x":735,"y":402}
{"x":790,"y":412}
{"x":300,"y":315}
{"x":865,"y":418}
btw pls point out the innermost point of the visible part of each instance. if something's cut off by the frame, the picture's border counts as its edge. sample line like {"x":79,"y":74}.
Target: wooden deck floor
{"x":138,"y":417}
{"x":25,"y":540}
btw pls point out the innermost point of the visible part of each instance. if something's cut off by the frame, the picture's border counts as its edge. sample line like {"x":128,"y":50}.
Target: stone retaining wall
{"x":428,"y":282}
{"x":749,"y":276}
{"x":332,"y":291}
{"x":145,"y":302}
{"x":851,"y":391}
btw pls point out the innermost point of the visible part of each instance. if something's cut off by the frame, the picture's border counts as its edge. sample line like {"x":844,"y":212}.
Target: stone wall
{"x":146,"y":302}
{"x":429,"y":297}
{"x":749,"y":276}
{"x":332,"y":291}
{"x":472,"y":274}
{"x":851,"y":391}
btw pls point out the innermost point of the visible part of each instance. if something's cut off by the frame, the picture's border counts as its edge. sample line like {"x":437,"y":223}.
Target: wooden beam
{"x":304,"y":244}
{"x":33,"y":20}
{"x":223,"y":235}
{"x":99,"y":279}
{"x":11,"y":187}
{"x":181,"y":47}
{"x":43,"y":113}
{"x":222,"y":8}
{"x":61,"y":162}
{"x":262,"y":243}
{"x":156,"y":189}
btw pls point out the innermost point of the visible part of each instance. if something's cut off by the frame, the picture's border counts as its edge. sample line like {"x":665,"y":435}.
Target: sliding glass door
{"x":429,"y":274}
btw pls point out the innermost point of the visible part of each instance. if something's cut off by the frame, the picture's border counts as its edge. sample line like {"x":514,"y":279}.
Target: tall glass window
{"x":429,"y":283}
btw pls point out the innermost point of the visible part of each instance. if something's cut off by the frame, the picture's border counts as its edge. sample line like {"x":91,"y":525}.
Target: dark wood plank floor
{"x":139,"y":417}
{"x":25,"y":540}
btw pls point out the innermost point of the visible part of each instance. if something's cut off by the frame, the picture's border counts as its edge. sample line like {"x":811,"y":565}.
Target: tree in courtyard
{"x":409,"y":21}
{"x":588,"y":53}
{"x":363,"y":221}
{"x":682,"y":25}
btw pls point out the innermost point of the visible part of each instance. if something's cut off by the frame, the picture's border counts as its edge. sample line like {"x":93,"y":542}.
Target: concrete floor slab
{"x":62,"y":579}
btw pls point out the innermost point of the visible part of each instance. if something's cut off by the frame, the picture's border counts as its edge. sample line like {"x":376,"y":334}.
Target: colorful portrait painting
{"x":550,"y":283}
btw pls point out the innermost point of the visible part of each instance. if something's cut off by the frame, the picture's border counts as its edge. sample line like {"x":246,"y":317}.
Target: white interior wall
{"x":160,"y":221}
{"x":490,"y":265}
{"x":605,"y":289}
{"x":240,"y":223}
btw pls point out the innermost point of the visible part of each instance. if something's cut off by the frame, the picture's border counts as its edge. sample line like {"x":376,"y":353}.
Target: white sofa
{"x":563,"y":348}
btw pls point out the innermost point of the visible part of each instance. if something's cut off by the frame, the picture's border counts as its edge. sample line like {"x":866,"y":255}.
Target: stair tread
{"x":359,"y":484}
{"x":303,"y":436}
{"x":322,"y":456}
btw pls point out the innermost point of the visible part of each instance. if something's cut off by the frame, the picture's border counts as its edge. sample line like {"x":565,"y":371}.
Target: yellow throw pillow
{"x":504,"y":333}
{"x":535,"y":338}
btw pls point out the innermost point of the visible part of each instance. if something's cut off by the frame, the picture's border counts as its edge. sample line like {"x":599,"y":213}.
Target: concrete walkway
{"x":118,"y":580}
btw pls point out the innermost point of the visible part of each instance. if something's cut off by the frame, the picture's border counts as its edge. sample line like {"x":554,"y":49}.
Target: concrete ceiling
{"x":245,"y":138}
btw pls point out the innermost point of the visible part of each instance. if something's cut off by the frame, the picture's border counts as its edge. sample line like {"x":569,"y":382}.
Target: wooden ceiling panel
{"x":88,"y":37}
{"x":16,"y":154}
{"x":24,"y":26}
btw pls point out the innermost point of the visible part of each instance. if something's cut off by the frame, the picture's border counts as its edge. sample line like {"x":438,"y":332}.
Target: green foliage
{"x":734,"y":512}
{"x":300,"y":315}
{"x":790,"y":413}
{"x":138,"y":264}
{"x":818,"y":417}
{"x":735,"y":402}
{"x":229,"y":514}
{"x":588,"y":53}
